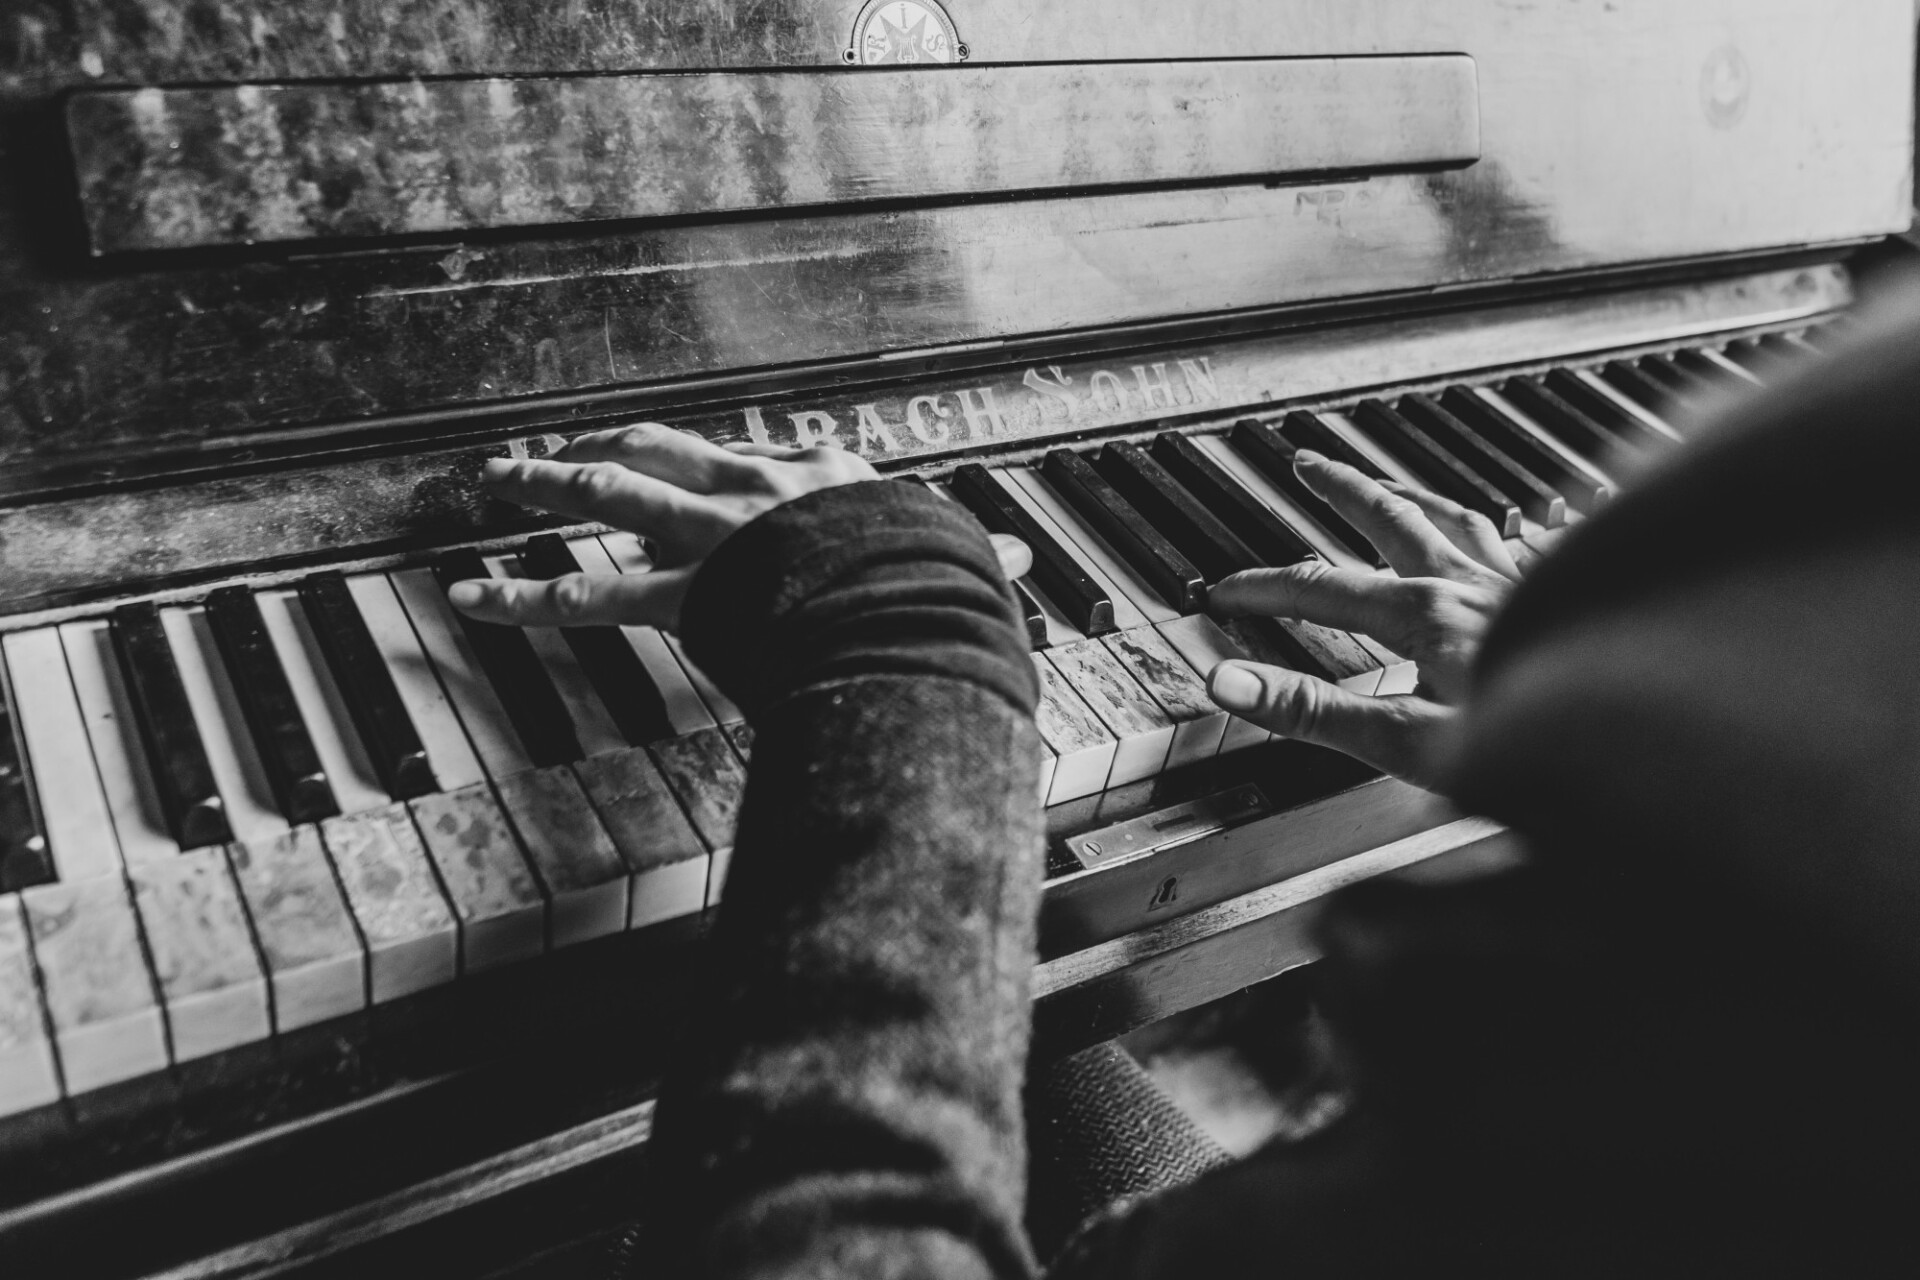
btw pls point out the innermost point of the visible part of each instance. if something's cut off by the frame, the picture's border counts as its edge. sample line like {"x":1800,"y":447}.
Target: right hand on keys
{"x":682,"y":493}
{"x":1453,"y":573}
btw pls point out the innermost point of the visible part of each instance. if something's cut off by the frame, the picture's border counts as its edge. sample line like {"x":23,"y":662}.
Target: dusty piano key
{"x":357,"y":785}
{"x":586,"y":880}
{"x":1144,"y":548}
{"x":1334,"y":656}
{"x":686,"y":710}
{"x":411,"y":938}
{"x":1200,"y":641}
{"x":176,"y":756}
{"x":25,"y":859}
{"x":480,"y":715}
{"x":28,"y":1076}
{"x":1271,"y":455}
{"x":1567,"y":424}
{"x":203,"y":954}
{"x":706,"y":776}
{"x":450,"y":756}
{"x":100,"y":999}
{"x":1135,"y":602}
{"x":666,"y":861}
{"x":604,"y":654}
{"x":1082,"y":746}
{"x":366,"y":684}
{"x":73,"y":809}
{"x":1305,"y":430}
{"x":266,"y":699}
{"x":517,"y":677}
{"x":1199,"y":725}
{"x":139,"y":828}
{"x":587,"y":716}
{"x":237,"y":770}
{"x":1436,"y":466}
{"x":1537,"y":499}
{"x":1200,"y":535}
{"x":1251,"y":520}
{"x":1084,"y":602}
{"x":1600,"y":407}
{"x":1142,"y":731}
{"x":502,"y":913}
{"x":314,"y":960}
{"x":723,"y":708}
{"x":1629,"y":380}
{"x":1583,"y":488}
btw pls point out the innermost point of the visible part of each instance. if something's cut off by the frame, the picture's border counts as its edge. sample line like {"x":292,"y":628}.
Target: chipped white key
{"x":412,"y":940}
{"x":203,"y":954}
{"x":503,"y":914}
{"x":585,"y":878}
{"x":28,"y":1077}
{"x":1083,"y":748}
{"x":1143,"y":733}
{"x":313,"y":953}
{"x":72,"y":804}
{"x":1199,"y":725}
{"x":100,"y":998}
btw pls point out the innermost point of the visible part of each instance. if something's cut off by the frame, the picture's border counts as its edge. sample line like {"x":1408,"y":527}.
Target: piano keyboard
{"x":225,"y":821}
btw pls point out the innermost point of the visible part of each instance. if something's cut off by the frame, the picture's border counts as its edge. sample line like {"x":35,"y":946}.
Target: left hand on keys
{"x":1453,"y":574}
{"x":680,"y":492}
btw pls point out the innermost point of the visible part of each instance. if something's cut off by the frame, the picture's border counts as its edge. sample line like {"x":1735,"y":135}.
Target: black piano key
{"x":1252,"y":521}
{"x":1616,"y":418}
{"x":1439,"y":469}
{"x":1565,"y":423}
{"x":521,"y":683}
{"x":1171,"y":575}
{"x":1304,"y":430}
{"x":612,"y":667}
{"x":1629,"y":380}
{"x":1031,"y":616}
{"x":1272,"y":456}
{"x":25,"y":857}
{"x":1084,"y":601}
{"x":1583,"y":492}
{"x":379,"y":716}
{"x":1199,"y":535}
{"x":293,"y":768}
{"x":1710,"y":371}
{"x":176,"y":757}
{"x":1754,"y":356}
{"x":1687,"y":387}
{"x":1538,"y":500}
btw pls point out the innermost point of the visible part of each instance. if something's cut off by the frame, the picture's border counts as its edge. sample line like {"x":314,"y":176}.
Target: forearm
{"x":849,"y":1099}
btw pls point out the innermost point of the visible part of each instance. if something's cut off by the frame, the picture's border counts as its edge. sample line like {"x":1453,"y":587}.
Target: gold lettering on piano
{"x":815,"y":426}
{"x":928,"y":431}
{"x":1055,"y":393}
{"x":874,"y":430}
{"x":984,"y":418}
{"x":1154,"y":388}
{"x":757,"y":426}
{"x":1109,"y":394}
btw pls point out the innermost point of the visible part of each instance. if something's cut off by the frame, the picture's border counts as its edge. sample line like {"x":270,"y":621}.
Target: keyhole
{"x":1166,"y":894}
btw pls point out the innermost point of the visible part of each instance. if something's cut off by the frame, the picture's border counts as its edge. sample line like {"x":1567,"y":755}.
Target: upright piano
{"x":338,"y":935}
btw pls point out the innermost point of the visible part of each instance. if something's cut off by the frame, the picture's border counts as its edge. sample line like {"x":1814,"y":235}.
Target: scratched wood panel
{"x":186,"y":168}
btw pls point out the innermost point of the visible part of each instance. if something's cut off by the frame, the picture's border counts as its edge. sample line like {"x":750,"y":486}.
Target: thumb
{"x":1391,"y":733}
{"x":1016,"y":558}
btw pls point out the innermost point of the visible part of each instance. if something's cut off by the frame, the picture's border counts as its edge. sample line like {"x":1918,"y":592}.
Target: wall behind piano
{"x":1613,"y":133}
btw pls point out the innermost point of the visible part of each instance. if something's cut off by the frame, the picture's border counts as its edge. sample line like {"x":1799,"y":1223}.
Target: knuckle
{"x":1299,"y":706}
{"x":596,"y":481}
{"x":571,"y":596}
{"x":1476,"y":524}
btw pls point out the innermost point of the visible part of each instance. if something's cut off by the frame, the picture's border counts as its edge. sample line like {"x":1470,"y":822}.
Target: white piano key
{"x":704,"y":772}
{"x":356,"y":787}
{"x":209,"y":973}
{"x":503,"y":914}
{"x":100,"y":998}
{"x":28,"y":1075}
{"x":1329,"y":548}
{"x":448,"y":751}
{"x":723,"y":708}
{"x":473,"y":699}
{"x":1634,"y":408}
{"x":593,"y":725}
{"x":686,"y":710}
{"x":1059,"y":630}
{"x":1135,"y":604}
{"x":72,"y":803}
{"x":1343,"y":426}
{"x":1142,"y":731}
{"x":1543,"y":437}
{"x":1732,"y":368}
{"x":222,"y":725}
{"x":1397,"y":674}
{"x":1083,"y":746}
{"x":1204,"y":645}
{"x":585,"y":877}
{"x":139,"y":825}
{"x":668,"y":862}
{"x":412,"y":940}
{"x":307,"y":936}
{"x":1200,"y":726}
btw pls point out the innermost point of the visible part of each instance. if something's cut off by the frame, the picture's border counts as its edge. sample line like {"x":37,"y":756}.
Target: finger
{"x":678,"y":457}
{"x":754,"y":449}
{"x":1395,"y":525}
{"x":1391,"y":734}
{"x":604,"y":491}
{"x":1468,"y":530}
{"x":1314,"y":591}
{"x":576,"y":599}
{"x":1016,"y":557}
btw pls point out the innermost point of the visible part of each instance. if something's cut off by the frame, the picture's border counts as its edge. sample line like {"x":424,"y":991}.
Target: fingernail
{"x":1307,"y":457}
{"x":1236,"y":688}
{"x":466,"y":595}
{"x":496,"y":469}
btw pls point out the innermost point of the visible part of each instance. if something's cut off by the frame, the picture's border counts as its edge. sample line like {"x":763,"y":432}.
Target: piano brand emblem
{"x":901,"y":32}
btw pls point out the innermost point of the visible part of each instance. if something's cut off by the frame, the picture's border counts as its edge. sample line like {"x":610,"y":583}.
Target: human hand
{"x":1451,"y":574}
{"x":682,"y":493}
